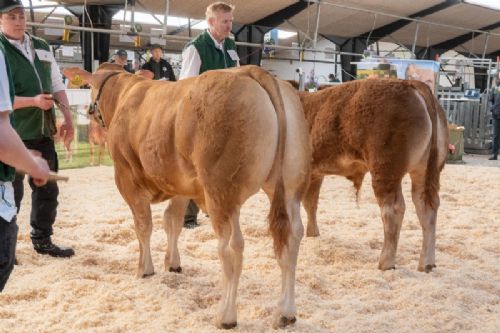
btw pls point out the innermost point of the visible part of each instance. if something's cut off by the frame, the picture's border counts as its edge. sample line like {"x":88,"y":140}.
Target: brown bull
{"x":217,"y":138}
{"x":388,"y":128}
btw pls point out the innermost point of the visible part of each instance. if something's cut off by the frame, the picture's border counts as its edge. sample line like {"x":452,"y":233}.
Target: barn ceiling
{"x":353,"y":19}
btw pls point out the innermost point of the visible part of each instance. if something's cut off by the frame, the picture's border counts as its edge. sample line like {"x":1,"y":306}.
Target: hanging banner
{"x":409,"y":69}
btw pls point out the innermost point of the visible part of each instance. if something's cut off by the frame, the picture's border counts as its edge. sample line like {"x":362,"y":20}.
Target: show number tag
{"x":43,"y":55}
{"x":233,"y":55}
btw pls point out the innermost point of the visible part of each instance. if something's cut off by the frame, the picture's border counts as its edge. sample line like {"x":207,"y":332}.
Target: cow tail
{"x":433,"y":170}
{"x":434,"y":166}
{"x":279,"y":222}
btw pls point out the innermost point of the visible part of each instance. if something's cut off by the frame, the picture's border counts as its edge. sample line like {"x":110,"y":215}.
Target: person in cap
{"x":37,"y":83}
{"x":159,"y":66}
{"x":120,"y":58}
{"x":12,"y":153}
{"x":212,"y":49}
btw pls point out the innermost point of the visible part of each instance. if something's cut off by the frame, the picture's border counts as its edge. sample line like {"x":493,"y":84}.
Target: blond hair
{"x":216,"y":7}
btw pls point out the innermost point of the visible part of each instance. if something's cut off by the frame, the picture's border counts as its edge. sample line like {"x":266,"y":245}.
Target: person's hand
{"x":40,"y":173}
{"x":67,"y":134}
{"x":44,"y":101}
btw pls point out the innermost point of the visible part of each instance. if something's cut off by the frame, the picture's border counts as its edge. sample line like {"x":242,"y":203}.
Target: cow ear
{"x":77,"y":76}
{"x":145,"y":73}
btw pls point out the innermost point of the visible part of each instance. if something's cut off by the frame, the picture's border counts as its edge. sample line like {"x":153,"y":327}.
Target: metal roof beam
{"x":396,"y":25}
{"x":493,"y":55}
{"x":339,"y":41}
{"x":184,"y":27}
{"x":279,"y":17}
{"x":454,"y":42}
{"x":254,"y":32}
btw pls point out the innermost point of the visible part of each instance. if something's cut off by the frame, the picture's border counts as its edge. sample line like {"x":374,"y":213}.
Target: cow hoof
{"x":145,"y":275}
{"x":312,"y":234}
{"x":228,"y":326}
{"x":393,"y":268}
{"x":175,"y":270}
{"x":284,"y":321}
{"x":428,"y":268}
{"x":312,"y":231}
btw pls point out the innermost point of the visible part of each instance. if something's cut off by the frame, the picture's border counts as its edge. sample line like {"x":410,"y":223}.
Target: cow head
{"x":80,"y":77}
{"x":97,"y":80}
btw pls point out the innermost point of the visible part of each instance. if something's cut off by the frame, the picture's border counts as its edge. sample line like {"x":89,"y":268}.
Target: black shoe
{"x":190,"y":224}
{"x":493,"y":158}
{"x":45,"y":246}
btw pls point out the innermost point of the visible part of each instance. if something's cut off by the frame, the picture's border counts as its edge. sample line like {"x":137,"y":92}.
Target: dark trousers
{"x":8,"y":239}
{"x":496,"y":136}
{"x":191,"y":212}
{"x":44,"y":198}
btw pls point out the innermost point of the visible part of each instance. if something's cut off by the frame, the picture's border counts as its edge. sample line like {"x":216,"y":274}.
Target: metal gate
{"x":473,"y":115}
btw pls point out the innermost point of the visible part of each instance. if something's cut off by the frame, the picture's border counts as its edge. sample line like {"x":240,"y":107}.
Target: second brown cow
{"x":388,"y":128}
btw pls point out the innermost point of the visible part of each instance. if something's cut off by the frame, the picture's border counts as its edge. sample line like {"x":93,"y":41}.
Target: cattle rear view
{"x":389,"y":128}
{"x":218,"y":139}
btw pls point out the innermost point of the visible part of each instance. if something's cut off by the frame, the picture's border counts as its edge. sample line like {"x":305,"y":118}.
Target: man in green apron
{"x":12,"y":153}
{"x":212,"y":49}
{"x":37,"y":82}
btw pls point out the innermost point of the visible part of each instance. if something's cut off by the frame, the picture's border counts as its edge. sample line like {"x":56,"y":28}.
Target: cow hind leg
{"x":392,"y":208}
{"x":427,"y":216}
{"x":91,"y":147}
{"x":310,"y":202}
{"x":230,"y":249}
{"x":102,"y":147}
{"x":141,"y":211}
{"x":287,"y":260}
{"x":172,"y":223}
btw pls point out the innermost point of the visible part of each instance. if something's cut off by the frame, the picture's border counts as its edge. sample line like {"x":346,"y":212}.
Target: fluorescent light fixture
{"x":492,"y":4}
{"x":59,"y":10}
{"x":200,"y":26}
{"x":283,"y":34}
{"x":146,"y":18}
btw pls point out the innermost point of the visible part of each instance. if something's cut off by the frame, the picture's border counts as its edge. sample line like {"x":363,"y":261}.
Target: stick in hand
{"x":54,"y":177}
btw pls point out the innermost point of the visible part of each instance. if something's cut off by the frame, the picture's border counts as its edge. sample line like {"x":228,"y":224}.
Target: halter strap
{"x":103,"y":83}
{"x":94,"y":108}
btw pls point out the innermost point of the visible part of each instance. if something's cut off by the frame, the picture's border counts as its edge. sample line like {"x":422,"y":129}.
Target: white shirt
{"x":5,"y":103}
{"x":7,"y":204}
{"x":191,"y":61}
{"x":26,"y":48}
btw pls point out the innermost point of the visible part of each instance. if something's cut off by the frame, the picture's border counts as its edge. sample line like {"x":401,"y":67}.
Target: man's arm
{"x":59,"y":89}
{"x":42,"y":101}
{"x":67,"y":129}
{"x":12,"y":149}
{"x":14,"y":153}
{"x":191,"y":63}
